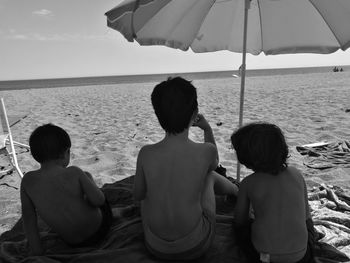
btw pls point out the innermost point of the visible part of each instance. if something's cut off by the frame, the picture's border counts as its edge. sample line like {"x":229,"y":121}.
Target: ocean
{"x":107,"y":80}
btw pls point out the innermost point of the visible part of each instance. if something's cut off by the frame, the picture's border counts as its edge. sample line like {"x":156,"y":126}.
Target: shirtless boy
{"x":175,"y":177}
{"x":277,"y":194}
{"x":66,"y":198}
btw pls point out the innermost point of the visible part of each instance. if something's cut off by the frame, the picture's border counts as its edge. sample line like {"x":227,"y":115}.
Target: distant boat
{"x":235,"y":76}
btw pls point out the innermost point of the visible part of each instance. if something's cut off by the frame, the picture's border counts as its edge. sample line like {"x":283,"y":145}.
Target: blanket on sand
{"x":326,"y":155}
{"x":125,"y":243}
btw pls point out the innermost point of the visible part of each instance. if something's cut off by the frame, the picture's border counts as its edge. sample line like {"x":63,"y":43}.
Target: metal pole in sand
{"x":243,"y":67}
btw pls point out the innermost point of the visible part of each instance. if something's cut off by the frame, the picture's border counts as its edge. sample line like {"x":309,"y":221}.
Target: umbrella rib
{"x":261,"y":27}
{"x":330,"y":28}
{"x":136,"y":6}
{"x":137,"y":3}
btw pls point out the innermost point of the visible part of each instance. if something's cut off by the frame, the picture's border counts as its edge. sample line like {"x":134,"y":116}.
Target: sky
{"x":69,"y":38}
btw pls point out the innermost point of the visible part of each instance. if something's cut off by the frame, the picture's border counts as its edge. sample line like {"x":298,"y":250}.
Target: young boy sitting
{"x":175,"y":177}
{"x":66,"y":198}
{"x":277,"y":194}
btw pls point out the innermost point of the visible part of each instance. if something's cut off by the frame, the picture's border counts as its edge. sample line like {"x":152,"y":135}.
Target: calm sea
{"x":106,"y":80}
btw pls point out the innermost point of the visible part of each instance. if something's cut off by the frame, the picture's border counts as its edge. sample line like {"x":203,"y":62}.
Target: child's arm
{"x":30,"y":222}
{"x":241,"y":214}
{"x":307,"y":207}
{"x":202,"y":123}
{"x":93,"y":194}
{"x":213,"y":157}
{"x":139,"y":182}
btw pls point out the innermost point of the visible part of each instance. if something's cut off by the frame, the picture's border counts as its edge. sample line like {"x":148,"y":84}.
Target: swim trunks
{"x":253,"y":256}
{"x":192,"y":246}
{"x":106,"y":222}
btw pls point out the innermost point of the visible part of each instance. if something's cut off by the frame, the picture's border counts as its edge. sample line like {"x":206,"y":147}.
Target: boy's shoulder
{"x":258,"y":178}
{"x":29,"y":178}
{"x":148,"y":148}
{"x":37,"y":174}
{"x":210,"y":148}
{"x":253,"y":181}
{"x":73,"y":172}
{"x":200,"y":145}
{"x":205,"y":146}
{"x":293,"y":171}
{"x":74,"y":169}
{"x":205,"y":149}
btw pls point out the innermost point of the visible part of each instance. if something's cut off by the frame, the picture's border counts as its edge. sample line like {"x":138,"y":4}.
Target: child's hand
{"x":201,"y":122}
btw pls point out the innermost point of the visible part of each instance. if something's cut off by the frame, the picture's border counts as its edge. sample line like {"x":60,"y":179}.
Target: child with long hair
{"x":276,"y":193}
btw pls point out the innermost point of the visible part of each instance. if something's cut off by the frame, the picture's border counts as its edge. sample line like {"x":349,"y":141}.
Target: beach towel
{"x":125,"y":242}
{"x":326,"y":155}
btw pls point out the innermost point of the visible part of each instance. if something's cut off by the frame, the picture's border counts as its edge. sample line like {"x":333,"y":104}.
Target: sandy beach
{"x":109,"y":124}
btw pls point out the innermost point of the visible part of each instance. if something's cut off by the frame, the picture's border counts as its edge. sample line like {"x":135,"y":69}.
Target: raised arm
{"x":93,"y":194}
{"x":213,"y":157}
{"x":202,"y":123}
{"x":30,"y":226}
{"x":140,"y":182}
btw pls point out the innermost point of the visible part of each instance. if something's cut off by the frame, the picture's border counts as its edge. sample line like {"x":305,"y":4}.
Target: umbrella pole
{"x":243,"y":67}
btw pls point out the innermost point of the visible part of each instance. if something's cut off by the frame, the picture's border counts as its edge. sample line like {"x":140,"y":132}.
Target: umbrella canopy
{"x":275,"y":27}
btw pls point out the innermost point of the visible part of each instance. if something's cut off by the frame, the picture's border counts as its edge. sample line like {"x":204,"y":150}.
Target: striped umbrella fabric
{"x":274,"y":27}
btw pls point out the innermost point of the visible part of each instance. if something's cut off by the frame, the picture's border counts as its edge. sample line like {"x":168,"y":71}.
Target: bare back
{"x":59,"y":200}
{"x":280,"y":211}
{"x":174,"y":176}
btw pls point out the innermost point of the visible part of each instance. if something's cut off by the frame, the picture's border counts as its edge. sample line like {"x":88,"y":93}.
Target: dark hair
{"x":174,"y":102}
{"x":261,"y":147}
{"x":48,"y":142}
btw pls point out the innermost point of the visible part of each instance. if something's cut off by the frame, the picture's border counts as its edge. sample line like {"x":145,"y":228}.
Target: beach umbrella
{"x":274,"y":27}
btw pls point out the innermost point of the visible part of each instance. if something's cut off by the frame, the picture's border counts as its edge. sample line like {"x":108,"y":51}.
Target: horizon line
{"x":159,"y":73}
